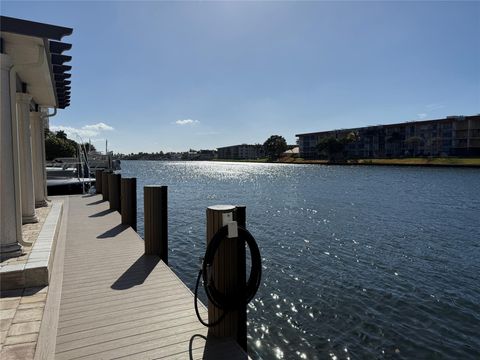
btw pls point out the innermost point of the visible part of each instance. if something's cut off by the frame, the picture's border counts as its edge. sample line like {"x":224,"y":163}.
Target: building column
{"x":25,"y":158}
{"x":44,"y":155}
{"x":36,"y":127}
{"x":9,"y":242}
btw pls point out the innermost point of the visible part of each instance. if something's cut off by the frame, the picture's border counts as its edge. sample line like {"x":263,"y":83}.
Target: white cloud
{"x":85,"y":132}
{"x":186,"y":122}
{"x":422,"y":115}
{"x":74,"y":132}
{"x":99,"y":127}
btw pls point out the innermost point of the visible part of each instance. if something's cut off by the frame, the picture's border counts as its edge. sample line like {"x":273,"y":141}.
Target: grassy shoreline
{"x":437,"y":162}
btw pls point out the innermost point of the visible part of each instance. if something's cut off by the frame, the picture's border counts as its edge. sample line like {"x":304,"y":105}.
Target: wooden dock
{"x":115,"y":302}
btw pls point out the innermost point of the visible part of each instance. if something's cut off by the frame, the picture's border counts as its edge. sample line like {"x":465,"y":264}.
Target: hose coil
{"x":236,"y":299}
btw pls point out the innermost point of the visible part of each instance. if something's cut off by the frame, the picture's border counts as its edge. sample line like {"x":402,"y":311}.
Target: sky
{"x":172,"y":76}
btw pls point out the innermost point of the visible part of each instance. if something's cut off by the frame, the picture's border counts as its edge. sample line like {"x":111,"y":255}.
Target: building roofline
{"x":53,"y":49}
{"x":32,"y":28}
{"x":390,"y":125}
{"x":229,"y":146}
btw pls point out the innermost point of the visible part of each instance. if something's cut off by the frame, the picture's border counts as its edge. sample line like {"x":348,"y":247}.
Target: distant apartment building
{"x":241,"y":152}
{"x":207,"y":154}
{"x":451,"y":136}
{"x":199,"y":155}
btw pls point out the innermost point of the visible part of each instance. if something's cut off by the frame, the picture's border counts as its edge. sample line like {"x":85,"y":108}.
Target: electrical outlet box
{"x":227,"y":218}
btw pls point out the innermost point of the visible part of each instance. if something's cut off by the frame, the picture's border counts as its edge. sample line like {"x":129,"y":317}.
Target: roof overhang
{"x":38,"y":58}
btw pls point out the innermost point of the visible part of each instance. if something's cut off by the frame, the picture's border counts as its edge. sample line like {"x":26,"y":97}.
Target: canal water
{"x":358,"y":261}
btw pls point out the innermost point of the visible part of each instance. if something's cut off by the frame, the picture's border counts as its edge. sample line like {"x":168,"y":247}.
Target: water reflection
{"x":358,"y":262}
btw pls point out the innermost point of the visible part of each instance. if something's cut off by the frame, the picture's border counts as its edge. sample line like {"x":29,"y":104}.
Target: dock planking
{"x":117,"y":302}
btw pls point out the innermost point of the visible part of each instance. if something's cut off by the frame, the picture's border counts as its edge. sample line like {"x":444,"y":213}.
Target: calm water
{"x":359,"y":262}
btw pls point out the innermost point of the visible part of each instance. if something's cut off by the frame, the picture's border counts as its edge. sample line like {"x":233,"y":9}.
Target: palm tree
{"x":61,"y":135}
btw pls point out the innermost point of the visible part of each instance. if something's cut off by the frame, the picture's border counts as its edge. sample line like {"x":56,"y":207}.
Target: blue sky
{"x":170,"y":76}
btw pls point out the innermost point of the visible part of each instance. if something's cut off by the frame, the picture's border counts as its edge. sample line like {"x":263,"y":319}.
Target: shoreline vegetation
{"x":418,"y":161}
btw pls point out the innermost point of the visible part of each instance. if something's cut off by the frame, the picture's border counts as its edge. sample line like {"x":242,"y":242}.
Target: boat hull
{"x":69,"y":186}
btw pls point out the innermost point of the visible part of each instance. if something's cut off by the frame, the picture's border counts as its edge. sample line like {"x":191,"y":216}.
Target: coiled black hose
{"x":235,"y":300}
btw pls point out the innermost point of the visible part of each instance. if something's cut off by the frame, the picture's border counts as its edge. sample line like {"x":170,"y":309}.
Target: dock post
{"x":228,"y":272}
{"x":156,"y":224}
{"x":105,"y":191}
{"x":240,"y":216}
{"x":128,"y":202}
{"x":98,"y":181}
{"x":114,"y":191}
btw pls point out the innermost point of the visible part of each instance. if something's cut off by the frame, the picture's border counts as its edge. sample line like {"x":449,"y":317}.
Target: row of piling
{"x":229,"y":266}
{"x":121,"y":193}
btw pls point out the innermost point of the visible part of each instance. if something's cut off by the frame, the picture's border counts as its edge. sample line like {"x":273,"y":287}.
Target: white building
{"x":34,"y":79}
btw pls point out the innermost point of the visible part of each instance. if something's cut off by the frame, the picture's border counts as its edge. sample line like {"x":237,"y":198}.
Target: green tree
{"x":89,"y":147}
{"x":351,"y":137}
{"x":61,"y":135}
{"x":334,"y":148}
{"x":274,"y":146}
{"x":56,"y":147}
{"x":330,"y":147}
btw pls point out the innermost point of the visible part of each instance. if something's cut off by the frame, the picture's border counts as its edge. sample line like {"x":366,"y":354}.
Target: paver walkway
{"x":29,"y":234}
{"x":118,"y":303}
{"x":21,"y":312}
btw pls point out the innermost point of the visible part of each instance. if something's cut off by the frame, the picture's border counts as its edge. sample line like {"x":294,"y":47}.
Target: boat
{"x":67,"y":176}
{"x":98,"y":161}
{"x":76,"y":175}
